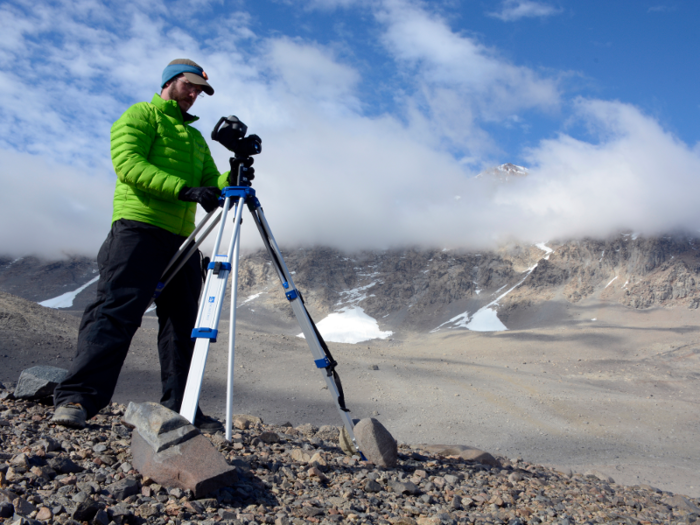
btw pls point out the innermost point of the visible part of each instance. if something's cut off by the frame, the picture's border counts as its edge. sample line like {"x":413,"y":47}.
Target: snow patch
{"x":612,"y":281}
{"x":543,"y":246}
{"x":486,"y":320}
{"x":546,"y":249}
{"x":250,"y":298}
{"x":356,"y":294}
{"x":350,"y":325}
{"x":66,"y":300}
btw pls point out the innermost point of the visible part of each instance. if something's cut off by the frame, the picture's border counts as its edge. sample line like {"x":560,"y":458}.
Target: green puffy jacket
{"x":156,"y":153}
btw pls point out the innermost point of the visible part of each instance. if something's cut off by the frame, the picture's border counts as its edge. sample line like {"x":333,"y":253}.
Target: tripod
{"x":221,"y":266}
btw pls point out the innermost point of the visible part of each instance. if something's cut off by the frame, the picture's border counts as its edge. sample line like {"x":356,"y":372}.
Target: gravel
{"x":50,"y":474}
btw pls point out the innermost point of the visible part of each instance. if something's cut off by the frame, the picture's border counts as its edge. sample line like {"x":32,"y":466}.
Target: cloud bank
{"x":333,"y":170}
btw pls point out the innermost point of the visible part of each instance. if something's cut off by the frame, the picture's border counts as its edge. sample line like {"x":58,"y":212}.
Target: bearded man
{"x":164,"y":169}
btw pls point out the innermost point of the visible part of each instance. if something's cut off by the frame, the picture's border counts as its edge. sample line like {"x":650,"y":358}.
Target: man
{"x":164,"y":168}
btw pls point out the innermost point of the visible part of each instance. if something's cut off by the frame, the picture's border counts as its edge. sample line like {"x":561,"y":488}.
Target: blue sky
{"x":375,"y":115}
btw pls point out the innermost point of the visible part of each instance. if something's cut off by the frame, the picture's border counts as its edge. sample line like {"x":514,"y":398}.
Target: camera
{"x":230,"y":132}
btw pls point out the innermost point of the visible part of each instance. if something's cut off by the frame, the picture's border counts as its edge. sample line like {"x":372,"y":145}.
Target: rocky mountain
{"x":38,"y":279}
{"x":417,"y":289}
{"x":504,"y":172}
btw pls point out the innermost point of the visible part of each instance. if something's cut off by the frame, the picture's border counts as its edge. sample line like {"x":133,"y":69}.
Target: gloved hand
{"x":247,"y":172}
{"x":206,"y":196}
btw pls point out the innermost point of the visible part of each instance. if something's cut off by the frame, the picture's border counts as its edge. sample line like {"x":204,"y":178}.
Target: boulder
{"x":245,"y":421}
{"x":404,"y":487}
{"x":38,"y":381}
{"x":160,"y":427}
{"x":85,"y":510}
{"x":123,"y":488}
{"x":64,"y":465}
{"x":372,"y":486}
{"x":680,"y":502}
{"x":168,"y":449}
{"x":193,"y":464}
{"x":462,"y":451}
{"x":376,"y":443}
{"x":23,"y":507}
{"x":7,"y":496}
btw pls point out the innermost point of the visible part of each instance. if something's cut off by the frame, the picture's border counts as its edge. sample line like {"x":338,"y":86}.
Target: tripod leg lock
{"x":205,"y":333}
{"x":322,"y":363}
{"x":218,"y":266}
{"x":291,"y":295}
{"x":327,"y":363}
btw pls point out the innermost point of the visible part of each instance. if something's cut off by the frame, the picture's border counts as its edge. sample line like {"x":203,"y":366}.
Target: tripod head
{"x":230,"y":132}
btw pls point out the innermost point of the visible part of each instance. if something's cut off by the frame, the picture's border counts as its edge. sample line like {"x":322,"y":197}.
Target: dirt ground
{"x":607,"y":388}
{"x":618,"y":394}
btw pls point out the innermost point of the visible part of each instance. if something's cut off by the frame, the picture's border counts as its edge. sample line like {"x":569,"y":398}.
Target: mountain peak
{"x":504,"y":172}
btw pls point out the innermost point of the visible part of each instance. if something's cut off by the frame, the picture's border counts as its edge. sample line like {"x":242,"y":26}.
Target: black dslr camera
{"x":230,"y":132}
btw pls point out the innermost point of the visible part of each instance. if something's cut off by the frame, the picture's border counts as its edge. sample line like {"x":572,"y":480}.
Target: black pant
{"x":131,"y":262}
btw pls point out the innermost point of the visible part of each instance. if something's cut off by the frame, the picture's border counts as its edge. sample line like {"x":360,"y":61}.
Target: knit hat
{"x":192,"y":72}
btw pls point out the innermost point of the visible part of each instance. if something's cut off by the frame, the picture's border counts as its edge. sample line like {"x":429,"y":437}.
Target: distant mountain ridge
{"x":422,"y":289}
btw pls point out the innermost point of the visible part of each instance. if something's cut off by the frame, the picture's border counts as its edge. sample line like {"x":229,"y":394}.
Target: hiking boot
{"x":71,"y":415}
{"x":208,"y":424}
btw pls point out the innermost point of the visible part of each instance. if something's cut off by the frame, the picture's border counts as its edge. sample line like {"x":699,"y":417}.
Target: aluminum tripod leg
{"x":232,"y":334}
{"x":212,"y":300}
{"x":187,"y":248}
{"x":313,"y":338}
{"x":211,"y":303}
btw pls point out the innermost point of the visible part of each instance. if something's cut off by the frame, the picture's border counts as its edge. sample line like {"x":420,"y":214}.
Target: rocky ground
{"x":51,"y":474}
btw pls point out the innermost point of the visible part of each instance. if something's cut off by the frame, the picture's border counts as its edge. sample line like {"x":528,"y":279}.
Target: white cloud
{"x":512,"y":10}
{"x":459,"y":83}
{"x":309,"y":71}
{"x":52,"y":209}
{"x":636,"y":175}
{"x":329,"y":173}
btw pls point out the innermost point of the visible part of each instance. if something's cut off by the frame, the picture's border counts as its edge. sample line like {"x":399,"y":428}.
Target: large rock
{"x":38,"y":381}
{"x":167,"y":449}
{"x":462,"y":451}
{"x":123,"y":488}
{"x":376,"y":443}
{"x":245,"y":421}
{"x":160,"y":427}
{"x":64,"y":465}
{"x":682,"y":503}
{"x":193,"y":464}
{"x":328,"y":433}
{"x":85,"y":510}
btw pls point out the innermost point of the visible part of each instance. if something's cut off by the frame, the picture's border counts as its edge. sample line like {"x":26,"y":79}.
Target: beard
{"x":183,"y":99}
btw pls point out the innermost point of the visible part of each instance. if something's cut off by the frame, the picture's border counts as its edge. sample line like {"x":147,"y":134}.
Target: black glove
{"x":206,"y":196}
{"x":247,"y":172}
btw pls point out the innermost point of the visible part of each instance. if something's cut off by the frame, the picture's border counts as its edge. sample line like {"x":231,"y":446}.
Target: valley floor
{"x":609,"y":389}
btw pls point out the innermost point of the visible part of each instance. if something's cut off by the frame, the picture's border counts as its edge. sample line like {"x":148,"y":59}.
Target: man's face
{"x":183,"y":92}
